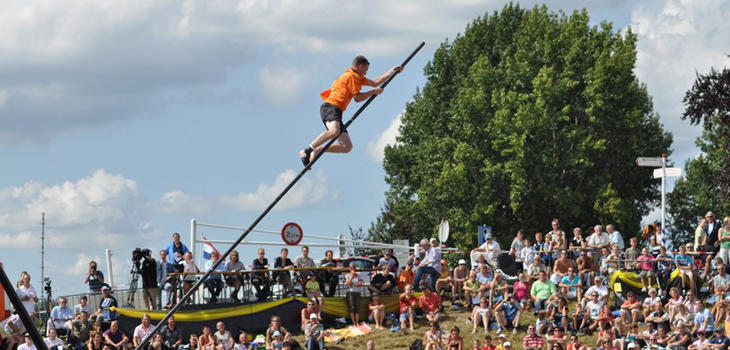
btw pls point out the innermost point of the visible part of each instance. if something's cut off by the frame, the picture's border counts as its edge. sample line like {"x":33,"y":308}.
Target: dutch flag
{"x":208,"y":248}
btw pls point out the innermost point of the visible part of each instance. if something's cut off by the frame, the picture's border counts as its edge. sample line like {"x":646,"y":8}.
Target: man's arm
{"x":381,"y":79}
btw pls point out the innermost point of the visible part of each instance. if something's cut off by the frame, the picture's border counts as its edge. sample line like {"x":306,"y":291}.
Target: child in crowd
{"x":314,"y":293}
{"x":277,"y":342}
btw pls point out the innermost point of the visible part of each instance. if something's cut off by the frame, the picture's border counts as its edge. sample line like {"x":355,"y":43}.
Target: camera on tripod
{"x":47,"y":285}
{"x":137,"y":255}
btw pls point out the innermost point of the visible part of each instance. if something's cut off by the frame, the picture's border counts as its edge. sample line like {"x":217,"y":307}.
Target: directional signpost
{"x":662,"y":172}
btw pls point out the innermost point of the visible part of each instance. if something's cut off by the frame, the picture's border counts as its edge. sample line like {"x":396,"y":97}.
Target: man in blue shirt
{"x":176,"y":250}
{"x":684,"y":264}
{"x":703,"y":318}
{"x":720,"y":340}
{"x":508,"y":313}
{"x":570,"y":285}
{"x":214,"y":283}
{"x":61,"y":316}
{"x":664,"y":266}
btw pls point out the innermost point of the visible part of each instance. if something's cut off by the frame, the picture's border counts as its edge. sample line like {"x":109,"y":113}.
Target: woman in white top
{"x":188,"y":266}
{"x":354,"y":291}
{"x":27,"y":294}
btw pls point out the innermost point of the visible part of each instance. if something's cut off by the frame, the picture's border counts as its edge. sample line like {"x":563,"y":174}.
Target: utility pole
{"x":43,"y":251}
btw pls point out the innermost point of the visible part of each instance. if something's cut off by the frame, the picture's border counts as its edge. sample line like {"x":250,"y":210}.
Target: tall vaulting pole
{"x":266,"y":211}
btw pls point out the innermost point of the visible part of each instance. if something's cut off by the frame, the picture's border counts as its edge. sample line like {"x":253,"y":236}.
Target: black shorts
{"x":330,"y":113}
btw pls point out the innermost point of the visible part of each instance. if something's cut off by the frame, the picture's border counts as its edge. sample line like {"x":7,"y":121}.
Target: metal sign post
{"x":662,"y":173}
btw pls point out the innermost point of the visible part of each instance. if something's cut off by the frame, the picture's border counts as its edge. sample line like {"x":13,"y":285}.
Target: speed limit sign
{"x":292,"y":233}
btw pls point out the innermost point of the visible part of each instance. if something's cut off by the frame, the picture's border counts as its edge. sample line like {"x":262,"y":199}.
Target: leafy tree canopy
{"x":527,"y":116}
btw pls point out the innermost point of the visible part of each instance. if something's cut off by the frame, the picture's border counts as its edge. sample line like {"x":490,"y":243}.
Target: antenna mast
{"x":43,"y":250}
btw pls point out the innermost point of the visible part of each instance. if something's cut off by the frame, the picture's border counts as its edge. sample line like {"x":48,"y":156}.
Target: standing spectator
{"x":142,"y":331}
{"x":541,"y":290}
{"x":518,"y":243}
{"x":382,"y":283}
{"x":164,"y":281}
{"x":459,"y":276}
{"x":149,"y":280}
{"x":260,"y":279}
{"x":80,"y":329}
{"x":27,"y":294}
{"x":234,"y":266}
{"x":556,"y":232}
{"x":390,"y":260}
{"x":61,"y":316}
{"x":94,"y":278}
{"x":527,"y":254}
{"x":724,"y":239}
{"x":430,"y":265}
{"x":330,"y":277}
{"x":176,"y":250}
{"x":713,"y":228}
{"x":532,"y":340}
{"x":354,"y":284}
{"x":115,"y":336}
{"x":615,"y":237}
{"x":171,"y":334}
{"x":284,"y":277}
{"x":105,"y":312}
{"x":534,"y":269}
{"x":578,"y":243}
{"x":314,"y":333}
{"x":407,"y":306}
{"x":632,"y":253}
{"x":430,"y":305}
{"x":83,"y":305}
{"x":214,"y":282}
{"x":701,"y":235}
{"x":304,"y":262}
{"x":376,"y":311}
{"x":223,"y":338}
{"x":597,"y":241}
{"x":646,"y":267}
{"x":190,"y":270}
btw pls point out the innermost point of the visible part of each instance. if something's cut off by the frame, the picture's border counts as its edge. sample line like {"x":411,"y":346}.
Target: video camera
{"x":137,"y":255}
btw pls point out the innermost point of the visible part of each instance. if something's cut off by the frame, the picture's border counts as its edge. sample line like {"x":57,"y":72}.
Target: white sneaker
{"x":514,"y":330}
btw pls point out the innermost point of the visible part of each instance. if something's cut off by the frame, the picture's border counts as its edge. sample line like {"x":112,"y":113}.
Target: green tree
{"x":706,"y":185}
{"x":527,"y":116}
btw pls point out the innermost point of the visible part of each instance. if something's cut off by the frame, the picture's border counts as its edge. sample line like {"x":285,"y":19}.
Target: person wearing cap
{"x":597,"y":287}
{"x":491,"y":248}
{"x":515,"y":249}
{"x":430,"y":265}
{"x":720,"y":340}
{"x":532,"y":341}
{"x":277,"y":341}
{"x":314,"y":333}
{"x":458,"y":276}
{"x":390,"y":260}
{"x":107,"y":302}
{"x":505,"y":346}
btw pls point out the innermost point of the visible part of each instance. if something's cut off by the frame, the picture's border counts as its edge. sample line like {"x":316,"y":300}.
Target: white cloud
{"x":306,"y":192}
{"x":677,"y":39}
{"x":95,"y":210}
{"x":281,"y":84}
{"x":376,"y":147}
{"x":81,"y":265}
{"x":181,"y":202}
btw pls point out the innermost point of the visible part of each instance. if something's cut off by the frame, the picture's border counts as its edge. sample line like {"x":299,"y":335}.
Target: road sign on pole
{"x":671,"y":172}
{"x":649,"y":161}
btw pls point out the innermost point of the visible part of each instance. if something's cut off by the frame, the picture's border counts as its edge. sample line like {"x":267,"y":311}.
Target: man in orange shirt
{"x":430,"y":304}
{"x":336,"y":99}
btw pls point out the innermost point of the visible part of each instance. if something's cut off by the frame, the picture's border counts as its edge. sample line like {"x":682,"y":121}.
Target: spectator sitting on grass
{"x":532,"y":341}
{"x":115,"y":336}
{"x":432,"y":337}
{"x":458,"y":277}
{"x":376,"y":311}
{"x":508,"y":313}
{"x":314,"y":333}
{"x":407,"y":304}
{"x":431,"y":305}
{"x":480,"y":313}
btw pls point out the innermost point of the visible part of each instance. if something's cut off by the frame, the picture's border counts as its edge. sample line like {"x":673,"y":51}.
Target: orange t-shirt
{"x":343,"y":89}
{"x":406,"y":277}
{"x":429,"y":304}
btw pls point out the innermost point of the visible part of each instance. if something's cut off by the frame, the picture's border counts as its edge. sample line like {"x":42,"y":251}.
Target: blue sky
{"x":124,"y":122}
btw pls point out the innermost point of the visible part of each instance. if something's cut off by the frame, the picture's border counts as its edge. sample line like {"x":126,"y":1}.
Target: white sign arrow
{"x":649,"y":161}
{"x":671,"y":172}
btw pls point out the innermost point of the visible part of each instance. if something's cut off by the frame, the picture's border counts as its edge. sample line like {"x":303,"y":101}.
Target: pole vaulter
{"x":186,"y":296}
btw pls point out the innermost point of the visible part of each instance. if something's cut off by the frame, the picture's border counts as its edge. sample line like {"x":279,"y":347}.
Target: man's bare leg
{"x":343,"y":145}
